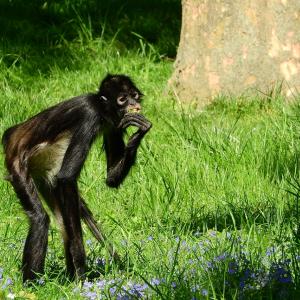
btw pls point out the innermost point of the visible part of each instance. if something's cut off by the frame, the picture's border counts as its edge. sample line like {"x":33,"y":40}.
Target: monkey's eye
{"x":121,"y":100}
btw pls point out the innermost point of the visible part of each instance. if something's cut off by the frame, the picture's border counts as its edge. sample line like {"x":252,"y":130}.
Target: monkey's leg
{"x":69,"y":207}
{"x":37,"y":240}
{"x":96,"y":230}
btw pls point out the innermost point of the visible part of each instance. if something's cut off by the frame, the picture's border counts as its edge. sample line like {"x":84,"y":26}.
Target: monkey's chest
{"x":47,"y":158}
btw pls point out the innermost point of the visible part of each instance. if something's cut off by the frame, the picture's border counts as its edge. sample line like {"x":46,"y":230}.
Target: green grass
{"x":209,"y":211}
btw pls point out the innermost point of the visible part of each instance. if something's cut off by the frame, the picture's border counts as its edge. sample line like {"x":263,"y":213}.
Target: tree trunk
{"x":236,"y":46}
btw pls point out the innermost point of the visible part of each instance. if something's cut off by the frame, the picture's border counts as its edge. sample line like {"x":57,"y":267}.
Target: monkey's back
{"x":44,"y":137}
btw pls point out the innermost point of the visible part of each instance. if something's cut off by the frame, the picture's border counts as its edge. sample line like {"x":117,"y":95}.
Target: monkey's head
{"x":120,"y":94}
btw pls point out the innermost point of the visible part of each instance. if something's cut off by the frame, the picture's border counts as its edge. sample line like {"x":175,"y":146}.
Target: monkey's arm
{"x":120,"y":158}
{"x":68,"y":198}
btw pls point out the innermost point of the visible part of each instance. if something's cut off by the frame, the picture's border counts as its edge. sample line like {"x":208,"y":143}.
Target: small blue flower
{"x":112,"y":290}
{"x":121,"y":296}
{"x":41,"y":281}
{"x":270,"y":251}
{"x":195,"y":288}
{"x":221,"y":257}
{"x":7,"y":283}
{"x":137,"y":290}
{"x":213,"y":233}
{"x":87,"y":285}
{"x":90,"y":295}
{"x":155,"y":281}
{"x":210,"y":265}
{"x":89,"y":243}
{"x":204,"y":292}
{"x":150,"y":238}
{"x":100,"y":284}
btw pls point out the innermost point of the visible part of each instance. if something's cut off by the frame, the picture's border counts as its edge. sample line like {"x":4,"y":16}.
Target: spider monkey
{"x":45,"y":154}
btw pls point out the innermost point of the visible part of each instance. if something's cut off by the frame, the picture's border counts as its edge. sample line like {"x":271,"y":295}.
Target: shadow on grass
{"x":232,"y":217}
{"x":40,"y":31}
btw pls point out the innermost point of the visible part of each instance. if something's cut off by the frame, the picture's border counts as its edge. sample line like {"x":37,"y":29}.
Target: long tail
{"x":95,"y":229}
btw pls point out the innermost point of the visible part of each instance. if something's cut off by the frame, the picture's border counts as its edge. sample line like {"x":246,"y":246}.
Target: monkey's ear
{"x":103,"y":98}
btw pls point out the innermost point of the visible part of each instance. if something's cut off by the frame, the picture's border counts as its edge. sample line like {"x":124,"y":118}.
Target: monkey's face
{"x":121,"y":95}
{"x":129,"y":102}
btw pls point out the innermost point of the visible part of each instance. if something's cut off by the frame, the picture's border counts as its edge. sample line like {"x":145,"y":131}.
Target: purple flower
{"x":150,"y":238}
{"x":7,"y":283}
{"x":155,"y":281}
{"x":173,"y":285}
{"x":137,"y":289}
{"x":87,"y":285}
{"x":89,"y":295}
{"x":231,"y":271}
{"x":204,"y":292}
{"x":89,"y":243}
{"x":200,"y":244}
{"x":221,"y":257}
{"x":270,"y":251}
{"x":101,"y":284}
{"x":121,"y":296}
{"x":195,"y":288}
{"x":41,"y":281}
{"x":112,"y":290}
{"x":213,"y":233}
{"x":285,"y":279}
{"x":210,"y":265}
{"x":242,"y":284}
{"x":232,"y":267}
{"x":280,"y":273}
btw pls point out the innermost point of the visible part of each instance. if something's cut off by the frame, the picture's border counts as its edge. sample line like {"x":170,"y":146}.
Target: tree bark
{"x":236,"y":47}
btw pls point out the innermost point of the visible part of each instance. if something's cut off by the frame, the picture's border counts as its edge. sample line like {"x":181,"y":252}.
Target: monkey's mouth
{"x":133,"y":109}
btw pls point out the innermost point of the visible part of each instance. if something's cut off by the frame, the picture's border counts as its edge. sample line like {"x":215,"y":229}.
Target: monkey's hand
{"x":137,"y":120}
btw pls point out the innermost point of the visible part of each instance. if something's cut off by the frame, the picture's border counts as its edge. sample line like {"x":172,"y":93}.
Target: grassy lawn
{"x":211,"y":208}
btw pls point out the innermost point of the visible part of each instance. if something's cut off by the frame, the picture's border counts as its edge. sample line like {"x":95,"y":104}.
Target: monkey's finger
{"x":132,"y":123}
{"x":143,"y":124}
{"x":140,"y":117}
{"x":128,"y":119}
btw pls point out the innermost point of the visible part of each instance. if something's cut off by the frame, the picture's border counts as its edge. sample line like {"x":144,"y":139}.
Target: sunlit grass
{"x":210,"y":209}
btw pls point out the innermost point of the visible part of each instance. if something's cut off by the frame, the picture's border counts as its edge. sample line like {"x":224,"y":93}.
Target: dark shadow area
{"x":233,"y":218}
{"x":42,"y":30}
